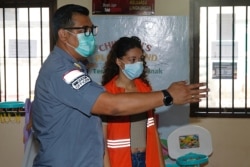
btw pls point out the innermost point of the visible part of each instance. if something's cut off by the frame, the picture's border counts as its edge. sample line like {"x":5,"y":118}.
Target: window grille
{"x":25,"y":42}
{"x":219,"y":56}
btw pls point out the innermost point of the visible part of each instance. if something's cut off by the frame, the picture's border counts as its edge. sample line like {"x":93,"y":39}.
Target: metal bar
{"x":233,"y":38}
{"x":4,"y":56}
{"x":0,"y":67}
{"x":246,"y":58}
{"x":29,"y":60}
{"x":17,"y":49}
{"x":220,"y":52}
{"x":207,"y":35}
{"x":41,"y":18}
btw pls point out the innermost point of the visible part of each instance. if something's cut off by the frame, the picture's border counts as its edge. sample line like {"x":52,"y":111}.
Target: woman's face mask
{"x":132,"y":71}
{"x":86,"y":45}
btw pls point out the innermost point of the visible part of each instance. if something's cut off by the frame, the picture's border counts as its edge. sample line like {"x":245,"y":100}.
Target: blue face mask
{"x":86,"y":45}
{"x":134,"y":70}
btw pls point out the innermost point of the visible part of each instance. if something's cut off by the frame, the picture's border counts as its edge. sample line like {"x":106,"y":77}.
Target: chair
{"x":31,"y":146}
{"x":189,"y":145}
{"x":26,"y":132}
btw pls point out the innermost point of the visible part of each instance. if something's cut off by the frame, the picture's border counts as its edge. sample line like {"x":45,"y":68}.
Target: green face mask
{"x":86,"y":45}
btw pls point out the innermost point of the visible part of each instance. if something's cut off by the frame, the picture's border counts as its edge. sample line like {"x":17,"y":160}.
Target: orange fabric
{"x":119,"y":128}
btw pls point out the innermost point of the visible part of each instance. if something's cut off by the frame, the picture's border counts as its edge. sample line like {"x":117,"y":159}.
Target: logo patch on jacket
{"x":76,"y":78}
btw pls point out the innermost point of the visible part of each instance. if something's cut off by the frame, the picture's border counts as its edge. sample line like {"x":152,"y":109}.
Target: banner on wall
{"x":165,"y":42}
{"x":138,"y":7}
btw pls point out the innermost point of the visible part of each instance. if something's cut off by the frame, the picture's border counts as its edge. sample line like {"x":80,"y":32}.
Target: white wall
{"x":11,"y":144}
{"x":230,"y":141}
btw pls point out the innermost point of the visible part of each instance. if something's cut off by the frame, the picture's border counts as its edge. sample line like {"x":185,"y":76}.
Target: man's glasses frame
{"x":85,"y":29}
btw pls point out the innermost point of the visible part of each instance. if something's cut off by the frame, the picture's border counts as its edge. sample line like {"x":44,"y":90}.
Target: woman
{"x":132,"y":141}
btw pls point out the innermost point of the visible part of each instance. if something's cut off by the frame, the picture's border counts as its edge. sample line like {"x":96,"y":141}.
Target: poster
{"x":137,"y":7}
{"x":224,"y":70}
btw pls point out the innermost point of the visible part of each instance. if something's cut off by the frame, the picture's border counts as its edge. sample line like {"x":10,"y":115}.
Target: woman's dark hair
{"x":63,"y":17}
{"x":118,"y":50}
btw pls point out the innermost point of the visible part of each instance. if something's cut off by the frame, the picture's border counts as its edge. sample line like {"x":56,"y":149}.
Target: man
{"x":67,"y":102}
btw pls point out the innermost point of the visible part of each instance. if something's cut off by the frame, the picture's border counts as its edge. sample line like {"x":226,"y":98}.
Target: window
{"x":219,"y":56}
{"x":25,"y":42}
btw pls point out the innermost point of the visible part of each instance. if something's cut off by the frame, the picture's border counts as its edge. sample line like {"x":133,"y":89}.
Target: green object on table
{"x":11,"y":104}
{"x":192,"y":159}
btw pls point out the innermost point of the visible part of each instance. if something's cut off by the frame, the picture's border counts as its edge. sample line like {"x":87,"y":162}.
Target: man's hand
{"x":183,"y":93}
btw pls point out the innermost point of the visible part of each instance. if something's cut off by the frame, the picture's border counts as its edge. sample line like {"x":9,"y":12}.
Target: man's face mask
{"x":86,"y":45}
